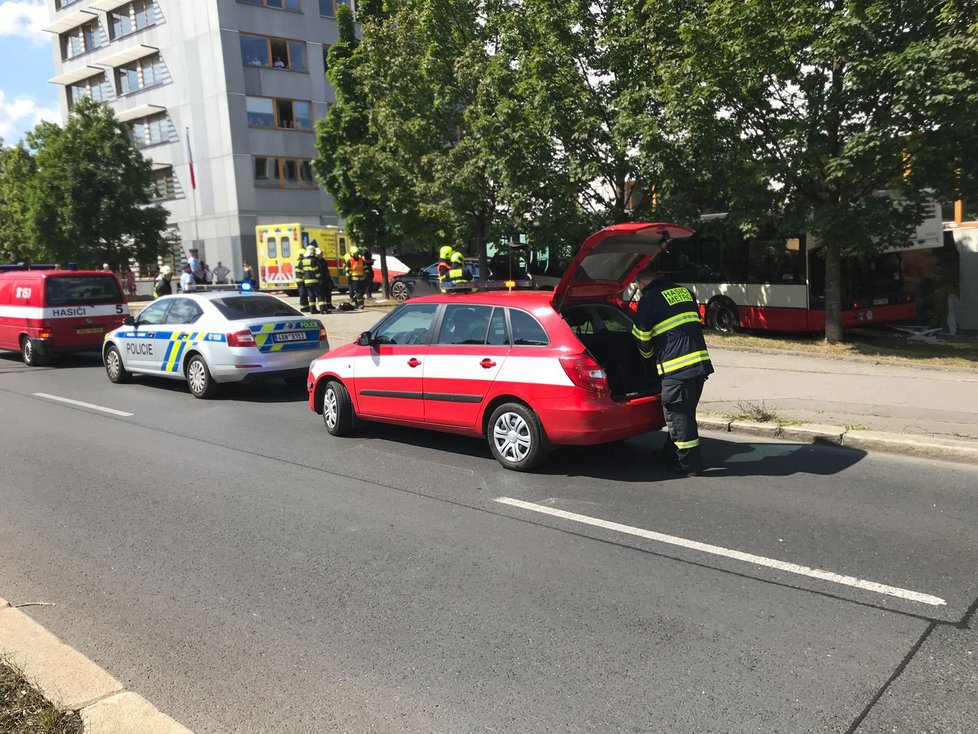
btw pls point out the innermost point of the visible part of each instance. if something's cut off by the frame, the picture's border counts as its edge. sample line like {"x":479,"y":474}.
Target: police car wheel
{"x":114,"y":368}
{"x":516,"y":437}
{"x":337,"y":410}
{"x":28,"y":353}
{"x":399,"y":292}
{"x":199,"y":378}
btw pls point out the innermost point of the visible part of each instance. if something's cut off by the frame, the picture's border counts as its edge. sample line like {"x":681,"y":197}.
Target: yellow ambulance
{"x":281,"y":245}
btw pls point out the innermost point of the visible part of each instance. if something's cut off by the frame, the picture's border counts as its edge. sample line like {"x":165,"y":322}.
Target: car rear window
{"x":82,"y":290}
{"x":527,"y":331}
{"x":236,"y":308}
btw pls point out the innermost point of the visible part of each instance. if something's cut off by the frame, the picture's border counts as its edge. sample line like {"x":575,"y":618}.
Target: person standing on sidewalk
{"x":667,"y":329}
{"x":162,"y":285}
{"x":309,"y":285}
{"x":325,"y":281}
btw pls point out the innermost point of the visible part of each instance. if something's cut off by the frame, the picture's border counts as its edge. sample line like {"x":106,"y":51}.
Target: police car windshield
{"x":236,"y":308}
{"x":82,"y":290}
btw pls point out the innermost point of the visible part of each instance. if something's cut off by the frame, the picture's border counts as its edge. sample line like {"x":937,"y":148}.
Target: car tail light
{"x":585,"y":372}
{"x":322,"y":333}
{"x":243,"y":338}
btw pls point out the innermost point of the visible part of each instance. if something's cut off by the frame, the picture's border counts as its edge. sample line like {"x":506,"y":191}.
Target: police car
{"x":526,"y":370}
{"x":215,"y":337}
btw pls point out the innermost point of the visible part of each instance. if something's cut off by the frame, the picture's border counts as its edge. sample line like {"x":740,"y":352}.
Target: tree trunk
{"x":384,"y":276}
{"x":833,"y":291}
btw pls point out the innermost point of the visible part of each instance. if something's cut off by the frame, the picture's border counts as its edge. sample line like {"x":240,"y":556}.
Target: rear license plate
{"x":291,"y":336}
{"x":880,"y":301}
{"x":90,"y":330}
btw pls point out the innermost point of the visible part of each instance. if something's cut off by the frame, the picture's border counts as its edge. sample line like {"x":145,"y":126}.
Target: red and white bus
{"x":778,"y":283}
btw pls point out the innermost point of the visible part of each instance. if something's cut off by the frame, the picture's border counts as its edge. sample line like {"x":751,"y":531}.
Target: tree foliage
{"x":17,"y":171}
{"x":88,"y":199}
{"x":840,"y":118}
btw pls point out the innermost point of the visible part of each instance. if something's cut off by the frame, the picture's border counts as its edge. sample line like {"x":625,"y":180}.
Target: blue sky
{"x":25,"y":66}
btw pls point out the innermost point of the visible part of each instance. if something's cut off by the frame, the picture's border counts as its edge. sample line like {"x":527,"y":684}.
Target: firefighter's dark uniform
{"x":667,"y":329}
{"x":309,"y":285}
{"x":162,"y":287}
{"x":325,"y":280}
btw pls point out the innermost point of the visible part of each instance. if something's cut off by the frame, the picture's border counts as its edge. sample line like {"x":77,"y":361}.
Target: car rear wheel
{"x":114,"y":368}
{"x":199,"y":378}
{"x":399,"y":292}
{"x":28,"y":353}
{"x":516,"y":437}
{"x":338,"y":410}
{"x":722,"y":316}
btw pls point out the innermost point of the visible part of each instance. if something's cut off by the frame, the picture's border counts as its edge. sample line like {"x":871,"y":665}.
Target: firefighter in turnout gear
{"x":162,"y":286}
{"x":458,"y":275}
{"x":668,"y":333}
{"x":356,"y":269}
{"x":309,"y":283}
{"x":444,"y":266}
{"x":325,"y":281}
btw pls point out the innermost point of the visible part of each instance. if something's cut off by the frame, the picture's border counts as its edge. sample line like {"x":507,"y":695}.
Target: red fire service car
{"x":527,"y":370}
{"x":44,"y":313}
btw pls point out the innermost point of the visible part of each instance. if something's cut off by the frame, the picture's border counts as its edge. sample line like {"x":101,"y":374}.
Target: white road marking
{"x":716,"y":550}
{"x":111,"y":411}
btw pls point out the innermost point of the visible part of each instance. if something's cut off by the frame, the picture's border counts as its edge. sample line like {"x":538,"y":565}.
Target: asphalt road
{"x":246,"y":572}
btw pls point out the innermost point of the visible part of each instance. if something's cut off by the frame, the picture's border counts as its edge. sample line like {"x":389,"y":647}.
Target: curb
{"x":929,"y":447}
{"x":71,"y":681}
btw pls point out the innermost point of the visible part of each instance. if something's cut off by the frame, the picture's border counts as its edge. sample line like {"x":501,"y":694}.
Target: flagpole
{"x":193,"y":185}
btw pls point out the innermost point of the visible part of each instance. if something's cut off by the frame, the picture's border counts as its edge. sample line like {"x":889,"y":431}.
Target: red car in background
{"x":527,"y":370}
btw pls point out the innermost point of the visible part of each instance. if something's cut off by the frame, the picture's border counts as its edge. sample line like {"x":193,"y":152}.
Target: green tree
{"x":17,"y":171}
{"x":90,"y":200}
{"x":840,"y":118}
{"x":363,"y":183}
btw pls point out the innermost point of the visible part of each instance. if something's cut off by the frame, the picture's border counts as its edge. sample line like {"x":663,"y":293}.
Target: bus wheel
{"x":722,"y":316}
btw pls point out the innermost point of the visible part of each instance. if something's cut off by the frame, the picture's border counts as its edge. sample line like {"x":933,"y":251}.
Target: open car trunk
{"x":606,"y":333}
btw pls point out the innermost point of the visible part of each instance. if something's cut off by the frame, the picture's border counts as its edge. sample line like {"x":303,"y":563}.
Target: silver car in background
{"x":215,"y":337}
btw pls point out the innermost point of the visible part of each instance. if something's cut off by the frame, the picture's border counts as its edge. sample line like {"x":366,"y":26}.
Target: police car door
{"x":180,"y":336}
{"x":143,"y":345}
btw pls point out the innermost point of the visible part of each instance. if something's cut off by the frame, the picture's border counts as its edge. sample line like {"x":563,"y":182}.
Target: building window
{"x":81,"y":40}
{"x":140,"y":74}
{"x":290,"y":114}
{"x":275,"y":53}
{"x":328,"y":7}
{"x":62,"y":4}
{"x":292,"y":5}
{"x":132,"y":17}
{"x":290,"y":173}
{"x":93,"y":88}
{"x":162,"y":185}
{"x":150,"y":131}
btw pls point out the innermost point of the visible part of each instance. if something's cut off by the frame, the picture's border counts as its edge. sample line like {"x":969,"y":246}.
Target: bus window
{"x":286,"y":248}
{"x":272,"y":252}
{"x":776,"y":261}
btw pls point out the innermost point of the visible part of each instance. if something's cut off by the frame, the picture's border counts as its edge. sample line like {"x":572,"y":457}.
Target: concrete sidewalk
{"x":862,"y":399}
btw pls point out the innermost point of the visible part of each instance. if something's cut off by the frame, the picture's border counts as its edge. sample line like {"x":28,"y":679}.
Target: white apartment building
{"x":237,"y":84}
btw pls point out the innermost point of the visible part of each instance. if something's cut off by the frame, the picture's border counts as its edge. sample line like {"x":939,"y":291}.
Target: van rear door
{"x":81,"y":307}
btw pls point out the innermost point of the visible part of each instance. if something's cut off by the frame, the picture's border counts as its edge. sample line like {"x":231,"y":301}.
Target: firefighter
{"x":368,"y":268}
{"x":309,"y":286}
{"x":356,"y":268}
{"x":162,"y":286}
{"x":459,"y":275}
{"x":667,"y":330}
{"x":325,"y":281}
{"x":444,"y":266}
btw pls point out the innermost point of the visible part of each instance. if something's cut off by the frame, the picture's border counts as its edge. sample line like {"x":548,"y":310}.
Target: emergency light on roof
{"x":245,"y":287}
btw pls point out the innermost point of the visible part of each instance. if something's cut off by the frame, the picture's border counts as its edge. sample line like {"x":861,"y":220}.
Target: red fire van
{"x":44,"y":313}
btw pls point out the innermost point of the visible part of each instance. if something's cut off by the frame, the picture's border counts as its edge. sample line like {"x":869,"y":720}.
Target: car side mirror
{"x":366,"y":339}
{"x":129,"y":321}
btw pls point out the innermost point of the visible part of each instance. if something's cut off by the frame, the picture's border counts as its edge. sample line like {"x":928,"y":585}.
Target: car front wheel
{"x":399,"y":292}
{"x":338,"y":410}
{"x":516,"y":437}
{"x":199,"y":378}
{"x":114,"y":368}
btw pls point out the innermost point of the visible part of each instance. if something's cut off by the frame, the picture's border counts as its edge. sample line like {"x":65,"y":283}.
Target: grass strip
{"x":23,"y":710}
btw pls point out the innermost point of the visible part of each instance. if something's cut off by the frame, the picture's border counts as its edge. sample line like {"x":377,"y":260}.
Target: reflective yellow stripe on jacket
{"x":689,"y":317}
{"x":644,"y":339}
{"x":687,"y":360}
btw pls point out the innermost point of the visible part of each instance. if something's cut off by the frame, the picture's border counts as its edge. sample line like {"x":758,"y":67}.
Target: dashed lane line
{"x":815,"y":573}
{"x":79,"y":403}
